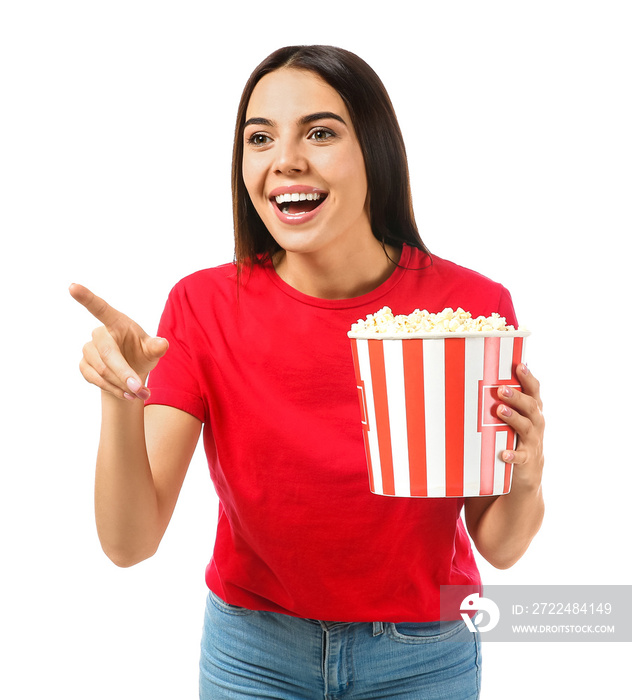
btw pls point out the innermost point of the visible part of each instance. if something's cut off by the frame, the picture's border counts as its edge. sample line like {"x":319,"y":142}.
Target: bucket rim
{"x":428,"y":335}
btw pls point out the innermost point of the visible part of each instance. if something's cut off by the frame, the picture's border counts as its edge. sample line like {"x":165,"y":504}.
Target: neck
{"x":326,"y":276}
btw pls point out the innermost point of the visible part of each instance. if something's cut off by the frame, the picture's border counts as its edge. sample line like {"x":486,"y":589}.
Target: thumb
{"x":156,"y":347}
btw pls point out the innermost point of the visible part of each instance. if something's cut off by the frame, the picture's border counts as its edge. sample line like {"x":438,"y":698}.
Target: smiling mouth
{"x":296,"y":203}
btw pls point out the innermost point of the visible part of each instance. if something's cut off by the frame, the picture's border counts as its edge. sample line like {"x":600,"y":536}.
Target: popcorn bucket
{"x":428,"y":410}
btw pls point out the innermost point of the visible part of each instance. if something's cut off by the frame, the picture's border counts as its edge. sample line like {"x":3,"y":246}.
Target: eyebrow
{"x":307,"y":119}
{"x":317,"y":116}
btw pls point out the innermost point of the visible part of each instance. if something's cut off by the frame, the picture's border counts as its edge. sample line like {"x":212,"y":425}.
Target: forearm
{"x":507,"y":526}
{"x":126,"y":504}
{"x":503,"y":528}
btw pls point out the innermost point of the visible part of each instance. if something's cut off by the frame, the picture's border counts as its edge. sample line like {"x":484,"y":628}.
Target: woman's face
{"x":303,"y":166}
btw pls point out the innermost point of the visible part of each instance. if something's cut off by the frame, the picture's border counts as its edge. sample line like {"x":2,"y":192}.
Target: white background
{"x":116,"y":125}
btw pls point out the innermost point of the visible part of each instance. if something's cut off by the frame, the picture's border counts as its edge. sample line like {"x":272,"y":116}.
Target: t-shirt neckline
{"x":351,"y":302}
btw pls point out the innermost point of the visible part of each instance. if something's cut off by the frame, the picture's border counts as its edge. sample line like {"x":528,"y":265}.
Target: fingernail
{"x":137,"y":388}
{"x":509,"y":456}
{"x":505,"y":410}
{"x":524,"y":368}
{"x":129,"y":397}
{"x":506,"y":390}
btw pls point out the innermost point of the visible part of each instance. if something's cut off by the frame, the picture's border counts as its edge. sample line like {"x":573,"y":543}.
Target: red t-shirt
{"x":269,"y":371}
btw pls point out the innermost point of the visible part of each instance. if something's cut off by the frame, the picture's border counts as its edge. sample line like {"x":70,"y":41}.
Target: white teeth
{"x":296,"y":197}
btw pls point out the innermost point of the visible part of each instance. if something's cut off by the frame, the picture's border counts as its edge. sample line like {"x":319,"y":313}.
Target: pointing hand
{"x":120,"y":355}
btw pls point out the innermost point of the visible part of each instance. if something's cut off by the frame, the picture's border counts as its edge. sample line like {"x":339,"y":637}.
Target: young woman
{"x":317,"y":587}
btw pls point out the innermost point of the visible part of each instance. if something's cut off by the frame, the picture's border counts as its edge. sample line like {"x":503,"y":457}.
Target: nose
{"x":290,"y":158}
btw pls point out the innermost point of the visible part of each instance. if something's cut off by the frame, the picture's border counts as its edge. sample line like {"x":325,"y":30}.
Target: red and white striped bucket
{"x":429,"y":412}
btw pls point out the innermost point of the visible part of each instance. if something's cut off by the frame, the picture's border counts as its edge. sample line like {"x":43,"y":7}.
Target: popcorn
{"x":384,"y":322}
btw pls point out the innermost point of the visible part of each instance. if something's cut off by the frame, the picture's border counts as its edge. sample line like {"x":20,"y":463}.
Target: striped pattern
{"x":429,"y":413}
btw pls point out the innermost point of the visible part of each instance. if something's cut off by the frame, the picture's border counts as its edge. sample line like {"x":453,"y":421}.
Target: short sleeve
{"x":173,"y":382}
{"x":506,"y":307}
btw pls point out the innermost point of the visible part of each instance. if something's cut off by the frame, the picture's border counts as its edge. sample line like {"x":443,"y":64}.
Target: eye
{"x":321,"y":134}
{"x":258,"y":139}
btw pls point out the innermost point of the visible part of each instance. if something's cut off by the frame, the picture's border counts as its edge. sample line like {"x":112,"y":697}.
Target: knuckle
{"x":100,"y":367}
{"x":99,"y":306}
{"x":89,"y":375}
{"x":531,"y":400}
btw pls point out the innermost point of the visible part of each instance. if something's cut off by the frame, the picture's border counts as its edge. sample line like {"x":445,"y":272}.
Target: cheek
{"x":346,"y":173}
{"x":357,"y":181}
{"x":253,"y":174}
{"x":248,"y":176}
{"x":355,"y":172}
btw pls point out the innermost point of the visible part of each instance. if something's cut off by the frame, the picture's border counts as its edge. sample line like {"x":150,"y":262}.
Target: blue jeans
{"x":252,"y":654}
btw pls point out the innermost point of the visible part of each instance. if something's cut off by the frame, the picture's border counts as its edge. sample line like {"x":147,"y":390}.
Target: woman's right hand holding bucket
{"x":120,"y":355}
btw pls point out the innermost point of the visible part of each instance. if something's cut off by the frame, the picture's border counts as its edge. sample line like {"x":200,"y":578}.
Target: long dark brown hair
{"x":373,"y":117}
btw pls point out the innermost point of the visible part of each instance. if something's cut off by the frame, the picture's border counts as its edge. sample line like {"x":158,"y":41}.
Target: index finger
{"x":98,"y":307}
{"x":530,"y":384}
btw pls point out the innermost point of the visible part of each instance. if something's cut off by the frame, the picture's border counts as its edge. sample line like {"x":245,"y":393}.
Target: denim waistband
{"x":378,"y":627}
